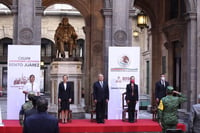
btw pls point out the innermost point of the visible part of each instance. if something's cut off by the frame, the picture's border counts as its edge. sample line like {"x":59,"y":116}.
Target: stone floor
{"x":3,"y":106}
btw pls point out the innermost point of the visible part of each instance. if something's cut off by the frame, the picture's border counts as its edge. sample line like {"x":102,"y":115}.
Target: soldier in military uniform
{"x":26,"y":106}
{"x":167,"y":109}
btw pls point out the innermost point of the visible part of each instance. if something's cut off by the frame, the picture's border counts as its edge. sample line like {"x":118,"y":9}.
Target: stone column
{"x":156,"y":60}
{"x":107,"y":12}
{"x":27,"y":22}
{"x":86,"y":68}
{"x":198,"y":49}
{"x":191,"y":84}
{"x":120,"y":23}
{"x":118,"y":26}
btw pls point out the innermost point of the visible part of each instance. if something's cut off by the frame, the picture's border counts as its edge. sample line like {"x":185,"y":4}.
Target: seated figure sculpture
{"x":65,"y":38}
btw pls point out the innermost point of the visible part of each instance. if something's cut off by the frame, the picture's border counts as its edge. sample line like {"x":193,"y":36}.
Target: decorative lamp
{"x":142,"y":20}
{"x":135,"y":33}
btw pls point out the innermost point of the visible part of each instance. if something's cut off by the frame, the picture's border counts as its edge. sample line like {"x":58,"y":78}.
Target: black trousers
{"x":100,"y":110}
{"x":131,"y":110}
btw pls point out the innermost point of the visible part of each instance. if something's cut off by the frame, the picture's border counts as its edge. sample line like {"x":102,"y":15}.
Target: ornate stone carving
{"x":97,"y":48}
{"x":26,"y":36}
{"x":120,"y":36}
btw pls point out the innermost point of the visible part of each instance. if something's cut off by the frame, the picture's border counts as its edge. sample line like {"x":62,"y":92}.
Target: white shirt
{"x":65,"y":86}
{"x":163,"y":82}
{"x":31,"y":87}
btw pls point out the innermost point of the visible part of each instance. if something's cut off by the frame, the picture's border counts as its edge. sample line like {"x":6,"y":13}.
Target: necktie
{"x":101,"y":82}
{"x":163,"y":83}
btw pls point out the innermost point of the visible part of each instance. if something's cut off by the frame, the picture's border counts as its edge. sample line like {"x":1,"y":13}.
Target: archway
{"x":53,"y":16}
{"x":167,"y":26}
{"x":93,"y":29}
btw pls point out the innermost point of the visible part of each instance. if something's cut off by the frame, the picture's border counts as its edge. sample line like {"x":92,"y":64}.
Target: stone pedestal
{"x":73,"y":70}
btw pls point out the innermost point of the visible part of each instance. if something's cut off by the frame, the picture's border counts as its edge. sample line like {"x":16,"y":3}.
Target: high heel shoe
{"x":65,"y":120}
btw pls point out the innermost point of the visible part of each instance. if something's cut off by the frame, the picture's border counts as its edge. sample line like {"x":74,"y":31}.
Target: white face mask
{"x":163,"y":78}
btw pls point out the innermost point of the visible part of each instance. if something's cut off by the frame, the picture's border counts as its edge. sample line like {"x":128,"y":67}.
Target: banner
{"x":23,"y":60}
{"x":124,"y":62}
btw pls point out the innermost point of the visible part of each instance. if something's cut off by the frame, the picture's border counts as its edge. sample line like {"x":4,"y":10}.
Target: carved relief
{"x":120,"y":36}
{"x":26,"y":36}
{"x":97,"y":48}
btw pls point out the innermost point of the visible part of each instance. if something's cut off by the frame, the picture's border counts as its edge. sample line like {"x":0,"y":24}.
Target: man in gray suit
{"x":195,"y":118}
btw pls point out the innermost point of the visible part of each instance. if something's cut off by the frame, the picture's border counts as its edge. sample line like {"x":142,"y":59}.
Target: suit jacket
{"x":100,"y":93}
{"x":30,"y":112}
{"x":195,"y":118}
{"x":41,"y":123}
{"x":129,"y":95}
{"x":160,"y":90}
{"x":64,"y":94}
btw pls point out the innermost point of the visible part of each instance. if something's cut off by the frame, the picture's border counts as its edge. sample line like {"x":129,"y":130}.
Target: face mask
{"x":163,"y":78}
{"x":132,"y":81}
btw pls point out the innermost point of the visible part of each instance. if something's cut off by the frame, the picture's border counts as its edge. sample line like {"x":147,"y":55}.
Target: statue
{"x":65,"y":38}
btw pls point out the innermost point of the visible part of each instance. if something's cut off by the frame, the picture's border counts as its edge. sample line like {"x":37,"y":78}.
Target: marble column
{"x":27,"y":22}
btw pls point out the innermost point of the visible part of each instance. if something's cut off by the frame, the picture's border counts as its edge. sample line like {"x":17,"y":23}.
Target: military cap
{"x":170,"y":88}
{"x":31,"y":94}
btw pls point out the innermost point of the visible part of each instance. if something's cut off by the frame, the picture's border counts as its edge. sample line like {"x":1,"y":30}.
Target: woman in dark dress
{"x":131,"y":98}
{"x":64,"y":98}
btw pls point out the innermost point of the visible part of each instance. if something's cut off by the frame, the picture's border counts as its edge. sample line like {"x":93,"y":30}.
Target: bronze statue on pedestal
{"x":65,"y":39}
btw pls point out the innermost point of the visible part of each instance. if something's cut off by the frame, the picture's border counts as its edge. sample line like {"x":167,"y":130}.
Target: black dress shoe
{"x":98,"y":121}
{"x":131,"y":121}
{"x":102,"y":121}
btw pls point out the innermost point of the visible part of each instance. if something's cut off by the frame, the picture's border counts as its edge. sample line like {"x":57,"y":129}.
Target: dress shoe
{"x":102,"y":121}
{"x":131,"y":121}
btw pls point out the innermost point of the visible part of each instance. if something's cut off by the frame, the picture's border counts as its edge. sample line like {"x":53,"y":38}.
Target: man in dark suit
{"x":131,"y":98}
{"x":160,"y":90}
{"x":101,"y":97}
{"x":195,"y":117}
{"x":41,"y":122}
{"x":64,"y":98}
